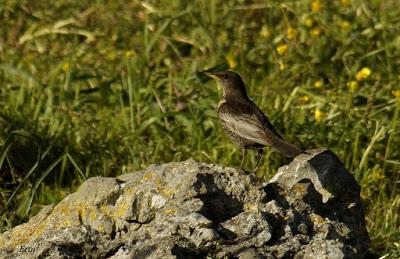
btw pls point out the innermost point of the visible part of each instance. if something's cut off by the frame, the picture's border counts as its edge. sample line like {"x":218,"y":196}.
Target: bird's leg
{"x":260,"y":153}
{"x":243,"y":156}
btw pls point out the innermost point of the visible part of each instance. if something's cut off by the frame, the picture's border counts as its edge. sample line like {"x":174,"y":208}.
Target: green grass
{"x":102,"y":88}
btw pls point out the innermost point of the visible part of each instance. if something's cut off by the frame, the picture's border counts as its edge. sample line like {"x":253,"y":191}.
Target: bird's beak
{"x":215,"y":75}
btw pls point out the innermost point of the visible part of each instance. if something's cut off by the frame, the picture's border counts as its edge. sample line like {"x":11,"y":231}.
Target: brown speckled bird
{"x":244,"y":123}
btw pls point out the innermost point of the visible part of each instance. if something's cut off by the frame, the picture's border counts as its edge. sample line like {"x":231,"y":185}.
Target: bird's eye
{"x":225,"y":76}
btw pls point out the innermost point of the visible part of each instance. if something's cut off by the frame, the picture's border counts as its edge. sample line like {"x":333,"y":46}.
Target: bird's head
{"x":231,"y":83}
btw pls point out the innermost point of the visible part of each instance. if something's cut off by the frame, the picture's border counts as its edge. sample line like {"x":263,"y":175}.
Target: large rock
{"x":310,"y":209}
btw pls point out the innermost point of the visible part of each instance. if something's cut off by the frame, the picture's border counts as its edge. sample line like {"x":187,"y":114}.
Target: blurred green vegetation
{"x":105,"y":87}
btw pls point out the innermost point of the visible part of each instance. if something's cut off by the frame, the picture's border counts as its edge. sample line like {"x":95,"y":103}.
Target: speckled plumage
{"x":244,"y":123}
{"x":242,"y":108}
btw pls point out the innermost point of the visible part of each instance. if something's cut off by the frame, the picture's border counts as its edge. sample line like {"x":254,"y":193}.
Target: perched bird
{"x":244,"y":122}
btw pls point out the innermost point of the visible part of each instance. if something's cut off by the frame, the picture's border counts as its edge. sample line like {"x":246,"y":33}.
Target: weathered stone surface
{"x":310,"y":209}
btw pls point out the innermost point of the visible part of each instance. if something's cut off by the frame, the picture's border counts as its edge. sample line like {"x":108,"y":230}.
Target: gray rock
{"x":310,"y":209}
{"x":324,"y":170}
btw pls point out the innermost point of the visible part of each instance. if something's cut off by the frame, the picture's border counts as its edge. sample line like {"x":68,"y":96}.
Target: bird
{"x":244,"y":123}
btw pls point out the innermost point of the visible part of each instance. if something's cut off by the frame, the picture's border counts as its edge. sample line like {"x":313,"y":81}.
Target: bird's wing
{"x":249,"y":127}
{"x":254,"y":127}
{"x":263,"y":120}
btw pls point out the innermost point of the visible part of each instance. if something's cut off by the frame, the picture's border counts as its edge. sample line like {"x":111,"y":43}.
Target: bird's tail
{"x":286,"y":148}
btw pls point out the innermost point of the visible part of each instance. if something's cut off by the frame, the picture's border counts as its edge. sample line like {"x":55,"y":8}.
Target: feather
{"x":249,"y":127}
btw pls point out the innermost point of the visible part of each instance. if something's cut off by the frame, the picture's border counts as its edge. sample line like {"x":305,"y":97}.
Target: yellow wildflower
{"x":345,"y":25}
{"x":363,"y":73}
{"x":316,"y":6}
{"x":230,"y":58}
{"x":264,"y":32}
{"x":345,"y":2}
{"x":377,"y":174}
{"x":318,"y":84}
{"x":308,"y":22}
{"x":396,"y":93}
{"x":282,"y":66}
{"x":352,"y":85}
{"x":304,"y":98}
{"x":318,"y":115}
{"x":129,"y":53}
{"x":315,"y":32}
{"x":65,"y":67}
{"x":291,"y":33}
{"x":282,"y":49}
